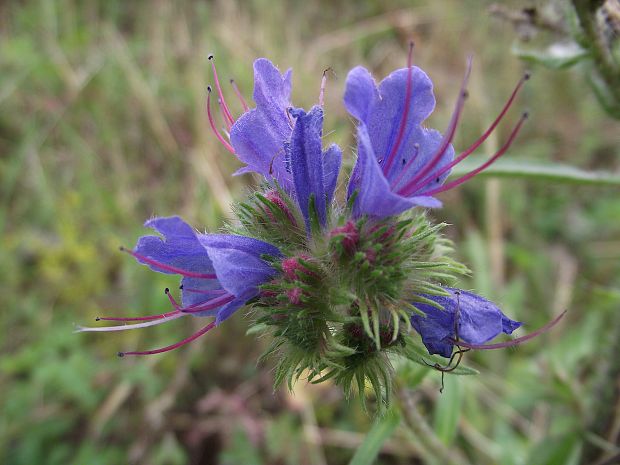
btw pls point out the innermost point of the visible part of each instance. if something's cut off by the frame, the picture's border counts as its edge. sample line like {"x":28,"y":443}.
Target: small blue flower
{"x":220,"y":273}
{"x":465,"y":317}
{"x":401,"y":164}
{"x":282,"y":143}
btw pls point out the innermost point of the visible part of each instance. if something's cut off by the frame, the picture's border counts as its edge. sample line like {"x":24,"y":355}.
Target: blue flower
{"x":401,"y":164}
{"x":220,"y":273}
{"x":282,"y":143}
{"x":465,"y":317}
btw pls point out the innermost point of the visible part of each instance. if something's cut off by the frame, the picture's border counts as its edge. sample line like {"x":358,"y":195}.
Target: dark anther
{"x":527,"y":75}
{"x":437,"y":180}
{"x":210,"y":57}
{"x":404,"y":161}
{"x":465,"y":94}
{"x":121,"y":248}
{"x":166,"y":291}
{"x":97,"y":319}
{"x":181,"y":287}
{"x":232,"y":80}
{"x":526,"y":115}
{"x":209,"y":89}
{"x":121,"y":354}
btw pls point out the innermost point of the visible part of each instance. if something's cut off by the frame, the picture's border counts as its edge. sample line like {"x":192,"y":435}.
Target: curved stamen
{"x":219,"y":91}
{"x":480,"y":140}
{"x":517,"y":341}
{"x":172,"y":269}
{"x":403,"y":120}
{"x":137,"y":318}
{"x":209,"y":305}
{"x":172,"y":346}
{"x":226,"y":122}
{"x":159,"y":321}
{"x":485,"y":165}
{"x":409,"y":188}
{"x":239,"y":95}
{"x":224,"y":142}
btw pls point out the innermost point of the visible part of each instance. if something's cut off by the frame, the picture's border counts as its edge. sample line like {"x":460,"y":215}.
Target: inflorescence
{"x":339,"y":285}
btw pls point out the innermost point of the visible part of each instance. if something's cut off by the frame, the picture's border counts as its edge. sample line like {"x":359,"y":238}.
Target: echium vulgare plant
{"x":339,"y":285}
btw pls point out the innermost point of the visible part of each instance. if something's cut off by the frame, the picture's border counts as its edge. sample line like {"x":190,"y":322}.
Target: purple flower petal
{"x":332,"y":159}
{"x":179,"y":247}
{"x":381,"y":111}
{"x":374,"y":195}
{"x":479,"y":321}
{"x":238,"y":264}
{"x":306,"y":161}
{"x":258,"y":136}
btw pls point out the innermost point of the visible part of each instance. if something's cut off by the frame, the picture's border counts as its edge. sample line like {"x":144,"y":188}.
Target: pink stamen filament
{"x":408,"y":189}
{"x":172,"y":346}
{"x":226,"y":122}
{"x":209,"y":305}
{"x":478,"y":142}
{"x":513,"y":342}
{"x":172,"y":269}
{"x":224,"y":142}
{"x":482,"y":167}
{"x":219,"y":91}
{"x":403,"y":121}
{"x":239,"y":95}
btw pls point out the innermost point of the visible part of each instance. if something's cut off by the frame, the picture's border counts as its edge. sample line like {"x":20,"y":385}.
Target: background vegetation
{"x":102,"y":125}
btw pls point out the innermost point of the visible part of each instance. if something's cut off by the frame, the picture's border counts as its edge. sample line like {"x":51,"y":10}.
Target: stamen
{"x":172,"y":300}
{"x":239,"y":95}
{"x":482,"y":167}
{"x":482,"y":138}
{"x":209,"y":305}
{"x":517,"y":341}
{"x":405,"y":115}
{"x":411,"y":186}
{"x":323,"y":85}
{"x":173,"y":346}
{"x":172,"y":269}
{"x":226,"y":122}
{"x":219,"y":91}
{"x":138,"y":318}
{"x":224,"y":142}
{"x":159,"y":321}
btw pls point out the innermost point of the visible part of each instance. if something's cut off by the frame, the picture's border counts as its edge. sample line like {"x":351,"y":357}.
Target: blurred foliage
{"x":102,"y":126}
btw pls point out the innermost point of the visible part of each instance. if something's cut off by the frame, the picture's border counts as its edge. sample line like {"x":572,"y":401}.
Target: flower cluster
{"x":339,"y":284}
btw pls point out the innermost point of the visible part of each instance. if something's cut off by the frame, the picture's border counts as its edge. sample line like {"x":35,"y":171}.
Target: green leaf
{"x":539,"y":171}
{"x":383,"y":428}
{"x":448,"y":410}
{"x":557,"y":55}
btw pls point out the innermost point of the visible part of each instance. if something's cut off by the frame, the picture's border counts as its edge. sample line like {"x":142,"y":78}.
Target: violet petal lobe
{"x":258,"y":136}
{"x":360,"y":94}
{"x":306,"y":161}
{"x":479,"y":321}
{"x":238,"y":264}
{"x":179,"y":247}
{"x":332,"y":159}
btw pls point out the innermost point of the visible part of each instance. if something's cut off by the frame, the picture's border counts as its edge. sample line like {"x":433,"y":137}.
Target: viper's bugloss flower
{"x":402,"y":164}
{"x":220,"y":273}
{"x":337,"y":285}
{"x":283,"y":143}
{"x":459,"y":316}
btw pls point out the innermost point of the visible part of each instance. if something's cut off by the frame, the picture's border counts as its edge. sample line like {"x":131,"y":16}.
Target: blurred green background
{"x":102,"y":125}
